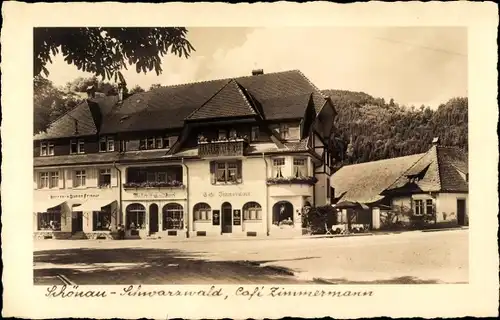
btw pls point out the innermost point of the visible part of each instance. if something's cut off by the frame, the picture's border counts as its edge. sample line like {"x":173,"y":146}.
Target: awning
{"x":92,"y":205}
{"x":43,"y":206}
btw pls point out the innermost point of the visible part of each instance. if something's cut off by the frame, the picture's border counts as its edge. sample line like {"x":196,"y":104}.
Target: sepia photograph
{"x":262,"y":160}
{"x":188,"y":156}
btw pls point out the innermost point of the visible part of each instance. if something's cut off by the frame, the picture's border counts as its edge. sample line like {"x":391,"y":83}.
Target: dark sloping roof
{"x":453,"y":169}
{"x":64,"y":126}
{"x":228,"y":102}
{"x":365,"y":182}
{"x":281,"y":94}
{"x":89,"y":158}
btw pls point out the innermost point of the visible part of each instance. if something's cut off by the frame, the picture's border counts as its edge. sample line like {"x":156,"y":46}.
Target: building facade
{"x":237,"y":157}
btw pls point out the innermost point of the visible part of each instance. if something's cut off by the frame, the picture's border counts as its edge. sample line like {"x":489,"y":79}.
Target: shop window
{"x":49,"y":220}
{"x":135,"y":218}
{"x":283,"y":214}
{"x":252,"y":211}
{"x":226,"y":172}
{"x":102,"y":219}
{"x":105,"y":178}
{"x":173,"y":217}
{"x":278,"y":165}
{"x":419,"y":207}
{"x":202,"y":212}
{"x":300,"y":167}
{"x":79,"y":179}
{"x":429,"y":207}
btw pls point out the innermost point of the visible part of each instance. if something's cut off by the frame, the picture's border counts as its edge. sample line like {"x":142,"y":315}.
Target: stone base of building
{"x":101,"y":235}
{"x":43,"y":235}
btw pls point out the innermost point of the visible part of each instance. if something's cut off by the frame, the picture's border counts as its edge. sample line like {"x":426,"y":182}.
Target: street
{"x":409,"y":257}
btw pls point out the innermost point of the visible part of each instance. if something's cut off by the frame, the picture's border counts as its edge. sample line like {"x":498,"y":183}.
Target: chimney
{"x":256,"y":72}
{"x":435,"y":141}
{"x":90,"y":92}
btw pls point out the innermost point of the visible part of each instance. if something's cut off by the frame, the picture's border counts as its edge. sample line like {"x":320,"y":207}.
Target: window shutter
{"x":61,"y":179}
{"x":212,"y":171}
{"x":69,"y":178}
{"x":36,"y":179}
{"x":92,"y":177}
{"x":239,"y":173}
{"x":114,"y":177}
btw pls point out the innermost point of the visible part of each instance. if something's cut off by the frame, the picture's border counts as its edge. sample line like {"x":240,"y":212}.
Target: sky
{"x":412,"y":65}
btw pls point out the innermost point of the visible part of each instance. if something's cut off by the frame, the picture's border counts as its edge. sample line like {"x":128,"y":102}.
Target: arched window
{"x":135,"y":216}
{"x":252,"y":211}
{"x":202,"y":212}
{"x":283,"y":213}
{"x":173,"y":216}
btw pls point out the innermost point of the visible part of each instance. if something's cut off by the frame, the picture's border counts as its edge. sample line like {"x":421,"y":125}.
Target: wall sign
{"x":216,"y":217}
{"x":75,"y":196}
{"x":237,"y":217}
{"x":222,"y":194}
{"x":153,"y":195}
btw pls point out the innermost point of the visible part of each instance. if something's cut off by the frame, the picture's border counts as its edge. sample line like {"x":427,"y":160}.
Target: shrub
{"x":318,"y":218}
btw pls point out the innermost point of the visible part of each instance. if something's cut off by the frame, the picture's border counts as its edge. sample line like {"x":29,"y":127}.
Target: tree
{"x":136,"y":89}
{"x":154,"y":86}
{"x":106,"y":51}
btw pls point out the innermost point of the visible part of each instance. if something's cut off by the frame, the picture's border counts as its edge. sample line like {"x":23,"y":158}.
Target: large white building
{"x":240,"y":157}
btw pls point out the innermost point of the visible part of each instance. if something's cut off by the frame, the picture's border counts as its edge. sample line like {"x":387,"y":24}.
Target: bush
{"x":319,"y":217}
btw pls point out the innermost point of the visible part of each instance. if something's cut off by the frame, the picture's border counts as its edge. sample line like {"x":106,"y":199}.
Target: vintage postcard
{"x":249,"y":161}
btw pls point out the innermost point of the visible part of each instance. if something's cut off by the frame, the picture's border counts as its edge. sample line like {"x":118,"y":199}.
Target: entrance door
{"x":461,"y":212}
{"x":153,"y":218}
{"x":77,"y":222}
{"x":227,"y":218}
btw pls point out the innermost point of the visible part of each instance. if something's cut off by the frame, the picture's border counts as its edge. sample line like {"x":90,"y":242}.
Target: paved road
{"x":411,"y":257}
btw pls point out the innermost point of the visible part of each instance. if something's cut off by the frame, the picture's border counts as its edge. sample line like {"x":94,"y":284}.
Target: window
{"x":278,"y":165}
{"x":222,"y":134}
{"x":79,"y":180}
{"x":202,"y":212}
{"x":151,"y":143}
{"x":44,"y":180}
{"x":154,"y":174}
{"x":46,"y":149}
{"x":102,"y":219}
{"x":49,"y":220}
{"x":252,"y":211}
{"x":299,"y":167}
{"x":255,"y":134}
{"x":429,"y":207}
{"x":77,"y":146}
{"x":106,"y":144}
{"x":54,"y":179}
{"x":233,"y":133}
{"x":283,"y":214}
{"x":159,"y":143}
{"x":419,"y":207}
{"x":284,"y":131}
{"x":142,"y":144}
{"x":173,"y":217}
{"x":105,"y":178}
{"x":166,"y":143}
{"x":227,"y":172}
{"x":135,"y":217}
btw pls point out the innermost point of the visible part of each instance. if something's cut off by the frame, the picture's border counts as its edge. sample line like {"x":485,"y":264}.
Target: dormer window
{"x":284,"y":131}
{"x":106,"y":144}
{"x":77,"y":146}
{"x":46,"y":149}
{"x":255,"y":133}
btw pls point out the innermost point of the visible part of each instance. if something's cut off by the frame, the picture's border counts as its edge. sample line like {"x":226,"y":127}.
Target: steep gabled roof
{"x":365,"y":182}
{"x":230,"y":101}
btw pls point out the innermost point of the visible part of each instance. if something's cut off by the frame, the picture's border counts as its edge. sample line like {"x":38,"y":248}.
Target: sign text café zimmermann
{"x":241,"y":157}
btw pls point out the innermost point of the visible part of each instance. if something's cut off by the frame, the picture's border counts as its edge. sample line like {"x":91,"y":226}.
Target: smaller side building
{"x":431,"y":187}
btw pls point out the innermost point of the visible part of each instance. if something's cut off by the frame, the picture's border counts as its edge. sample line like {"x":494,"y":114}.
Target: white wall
{"x":447,"y":205}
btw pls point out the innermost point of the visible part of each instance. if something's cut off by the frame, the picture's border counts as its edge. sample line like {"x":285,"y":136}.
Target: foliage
{"x":319,"y":218}
{"x":292,"y":180}
{"x":136,"y":89}
{"x":81,"y":84}
{"x":170,"y":184}
{"x":369,"y":129}
{"x":154,"y":86}
{"x":397,"y":218}
{"x":106,"y":51}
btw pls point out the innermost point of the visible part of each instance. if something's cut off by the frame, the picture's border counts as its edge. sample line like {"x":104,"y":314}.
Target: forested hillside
{"x":369,"y":129}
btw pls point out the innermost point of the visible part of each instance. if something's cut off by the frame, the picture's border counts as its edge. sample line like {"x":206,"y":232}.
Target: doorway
{"x":77,"y":222}
{"x":461,"y":212}
{"x":153,"y":218}
{"x":227,"y":219}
